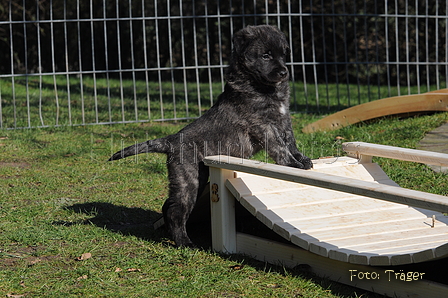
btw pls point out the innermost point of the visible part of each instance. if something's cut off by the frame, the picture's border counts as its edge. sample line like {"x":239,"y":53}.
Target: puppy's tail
{"x":152,"y":146}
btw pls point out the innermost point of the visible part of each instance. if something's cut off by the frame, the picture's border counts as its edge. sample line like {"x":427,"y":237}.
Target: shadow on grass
{"x":139,"y":222}
{"x":121,"y":219}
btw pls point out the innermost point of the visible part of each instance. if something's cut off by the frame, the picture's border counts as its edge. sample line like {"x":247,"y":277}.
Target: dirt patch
{"x":9,"y":177}
{"x":29,"y":261}
{"x":25,"y":256}
{"x":8,"y":262}
{"x":21,"y":165}
{"x":16,"y":165}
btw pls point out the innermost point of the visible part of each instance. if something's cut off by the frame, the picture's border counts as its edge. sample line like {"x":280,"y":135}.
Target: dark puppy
{"x":250,"y":115}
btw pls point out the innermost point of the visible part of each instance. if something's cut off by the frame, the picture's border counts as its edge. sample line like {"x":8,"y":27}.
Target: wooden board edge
{"x":384,"y":283}
{"x":426,"y":102}
{"x":360,"y":149}
{"x":444,"y":91}
{"x":394,"y":194}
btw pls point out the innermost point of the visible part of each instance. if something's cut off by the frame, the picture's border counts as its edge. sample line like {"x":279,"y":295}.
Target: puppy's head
{"x":261,"y":51}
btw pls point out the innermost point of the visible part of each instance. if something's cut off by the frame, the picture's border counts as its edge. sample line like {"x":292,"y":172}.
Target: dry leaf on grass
{"x":118,"y":269}
{"x":84,"y":256}
{"x":134,"y":270}
{"x":273,"y":286}
{"x":14,"y":296}
{"x":82,"y":277}
{"x":34,"y":261}
{"x":237,"y":267}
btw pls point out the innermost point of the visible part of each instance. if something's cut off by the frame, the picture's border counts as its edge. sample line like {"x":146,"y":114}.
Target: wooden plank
{"x":356,"y":149}
{"x":291,"y":198}
{"x":253,"y":184}
{"x":358,"y":187}
{"x":366,"y":172}
{"x":441,"y":251}
{"x":249,"y":184}
{"x":306,"y":226}
{"x":374,"y":229}
{"x":222,"y":212}
{"x":426,"y":102}
{"x":386,"y":243}
{"x":400,"y":253}
{"x":388,"y":217}
{"x":333,"y":161}
{"x":400,"y":246}
{"x":424,"y":255}
{"x":394,"y":256}
{"x":442,"y":91}
{"x":318,"y":214}
{"x":342,"y":272}
{"x":317,"y":211}
{"x":370,"y":240}
{"x":253,"y":204}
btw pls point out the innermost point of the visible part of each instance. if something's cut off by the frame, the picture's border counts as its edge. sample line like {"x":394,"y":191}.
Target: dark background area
{"x":352,"y":41}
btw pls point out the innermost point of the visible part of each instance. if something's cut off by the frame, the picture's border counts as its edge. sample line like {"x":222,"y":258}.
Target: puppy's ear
{"x":287,"y":50}
{"x":239,"y":41}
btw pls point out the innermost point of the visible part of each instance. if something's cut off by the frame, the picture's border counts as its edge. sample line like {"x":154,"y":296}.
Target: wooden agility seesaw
{"x":345,"y":218}
{"x":398,"y":105}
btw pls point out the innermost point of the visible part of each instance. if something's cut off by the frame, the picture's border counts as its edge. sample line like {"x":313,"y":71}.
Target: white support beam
{"x":222,"y":212}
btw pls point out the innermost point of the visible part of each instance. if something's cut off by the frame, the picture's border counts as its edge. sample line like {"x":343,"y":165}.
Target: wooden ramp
{"x":343,"y":226}
{"x":344,"y":211}
{"x":405,"y":104}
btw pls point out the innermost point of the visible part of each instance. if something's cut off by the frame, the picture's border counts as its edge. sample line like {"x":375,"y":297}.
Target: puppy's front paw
{"x":306,"y":162}
{"x":303,"y":163}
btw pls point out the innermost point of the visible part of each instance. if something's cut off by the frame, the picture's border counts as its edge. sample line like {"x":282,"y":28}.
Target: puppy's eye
{"x":266,"y":56}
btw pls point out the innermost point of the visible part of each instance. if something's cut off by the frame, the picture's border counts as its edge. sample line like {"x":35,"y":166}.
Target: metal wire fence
{"x":95,"y":62}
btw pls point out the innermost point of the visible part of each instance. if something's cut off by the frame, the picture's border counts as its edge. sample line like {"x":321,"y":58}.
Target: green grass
{"x":59,"y":199}
{"x":47,"y":101}
{"x":36,"y":102}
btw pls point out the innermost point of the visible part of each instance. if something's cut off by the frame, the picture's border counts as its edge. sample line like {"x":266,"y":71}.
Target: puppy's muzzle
{"x":283,"y":73}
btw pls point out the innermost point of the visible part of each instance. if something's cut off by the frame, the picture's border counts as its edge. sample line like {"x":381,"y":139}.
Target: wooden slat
{"x":358,"y":187}
{"x":330,"y":208}
{"x":375,"y":229}
{"x":300,"y":197}
{"x":375,"y":243}
{"x":369,"y":172}
{"x":361,"y":220}
{"x":253,"y":184}
{"x":427,"y":157}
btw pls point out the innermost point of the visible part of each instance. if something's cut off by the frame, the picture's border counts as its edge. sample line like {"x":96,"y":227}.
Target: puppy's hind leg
{"x":177,"y":208}
{"x":176,"y":215}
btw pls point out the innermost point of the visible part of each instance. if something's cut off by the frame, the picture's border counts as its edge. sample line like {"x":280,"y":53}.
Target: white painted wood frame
{"x":227,"y":183}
